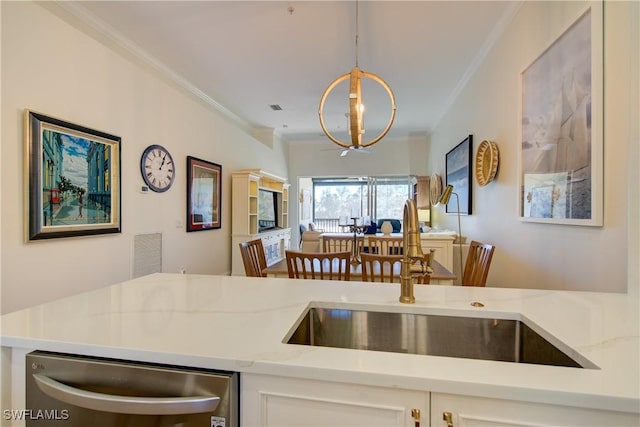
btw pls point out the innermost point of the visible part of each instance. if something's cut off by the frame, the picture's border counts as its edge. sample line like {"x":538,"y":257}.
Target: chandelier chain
{"x":357,"y":31}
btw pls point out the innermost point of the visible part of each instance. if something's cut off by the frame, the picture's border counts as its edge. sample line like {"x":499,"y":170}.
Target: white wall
{"x":633,"y":160}
{"x":546,"y":256}
{"x":52,"y":67}
{"x":399,"y":156}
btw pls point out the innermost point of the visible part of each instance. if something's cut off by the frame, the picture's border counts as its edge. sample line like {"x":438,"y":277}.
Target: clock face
{"x":157,"y":168}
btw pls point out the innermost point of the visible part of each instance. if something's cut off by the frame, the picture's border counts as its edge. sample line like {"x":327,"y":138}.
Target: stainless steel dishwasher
{"x":68,"y":390}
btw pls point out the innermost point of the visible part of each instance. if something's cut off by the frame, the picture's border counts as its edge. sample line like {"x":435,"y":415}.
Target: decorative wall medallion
{"x":487,"y":158}
{"x":435,"y":188}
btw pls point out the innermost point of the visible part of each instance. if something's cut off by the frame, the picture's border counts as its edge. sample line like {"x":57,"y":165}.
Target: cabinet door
{"x":483,"y":412}
{"x":276,"y":401}
{"x":423,"y":198}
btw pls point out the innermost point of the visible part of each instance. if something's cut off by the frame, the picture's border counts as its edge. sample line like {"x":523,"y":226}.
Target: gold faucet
{"x":411,"y":250}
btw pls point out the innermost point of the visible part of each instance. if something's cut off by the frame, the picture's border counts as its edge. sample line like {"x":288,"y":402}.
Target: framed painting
{"x":561,"y":155}
{"x":204,"y":192}
{"x":458,"y":174}
{"x":72,"y":177}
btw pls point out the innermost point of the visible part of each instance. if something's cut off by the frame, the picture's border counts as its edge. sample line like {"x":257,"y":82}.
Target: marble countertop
{"x":238,"y":324}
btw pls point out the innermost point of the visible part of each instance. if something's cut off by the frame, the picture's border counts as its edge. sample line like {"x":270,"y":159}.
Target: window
{"x":376,"y":197}
{"x":333,"y":199}
{"x":391,"y":196}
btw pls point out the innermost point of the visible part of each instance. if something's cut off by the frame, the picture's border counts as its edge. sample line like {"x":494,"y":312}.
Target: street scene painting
{"x":561,"y":129}
{"x":73,"y":177}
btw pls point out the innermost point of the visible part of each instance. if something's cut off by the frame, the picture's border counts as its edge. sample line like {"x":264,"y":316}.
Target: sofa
{"x":311,"y":241}
{"x":310,"y":238}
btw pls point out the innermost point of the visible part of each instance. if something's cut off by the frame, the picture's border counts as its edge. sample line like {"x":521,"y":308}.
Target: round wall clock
{"x":157,"y":168}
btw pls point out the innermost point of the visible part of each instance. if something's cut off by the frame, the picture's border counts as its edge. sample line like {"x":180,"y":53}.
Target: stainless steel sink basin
{"x":506,"y":340}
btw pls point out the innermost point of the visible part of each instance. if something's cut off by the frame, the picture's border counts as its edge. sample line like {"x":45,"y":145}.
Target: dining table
{"x":440,"y":275}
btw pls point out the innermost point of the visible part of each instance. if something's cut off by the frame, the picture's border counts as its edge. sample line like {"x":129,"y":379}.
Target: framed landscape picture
{"x":458,"y":174}
{"x":72,"y":177}
{"x":561,"y":155}
{"x":204,"y":194}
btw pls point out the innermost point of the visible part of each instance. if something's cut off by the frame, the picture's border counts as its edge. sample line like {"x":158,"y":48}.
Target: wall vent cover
{"x":147,"y":254}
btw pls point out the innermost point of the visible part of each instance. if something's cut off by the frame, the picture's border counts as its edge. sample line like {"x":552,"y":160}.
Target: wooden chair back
{"x":253,"y":258}
{"x":381,"y":268}
{"x":477,"y":266}
{"x":385,"y":245}
{"x":318,"y":265}
{"x":423,"y":278}
{"x":387,"y":269}
{"x":341,"y":243}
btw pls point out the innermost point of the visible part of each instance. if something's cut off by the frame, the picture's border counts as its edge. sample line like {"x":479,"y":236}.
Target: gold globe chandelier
{"x":356,"y":107}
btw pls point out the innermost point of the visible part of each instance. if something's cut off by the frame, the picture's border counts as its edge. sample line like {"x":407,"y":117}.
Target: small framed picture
{"x":458,"y":174}
{"x":204,"y":194}
{"x":72,"y":176}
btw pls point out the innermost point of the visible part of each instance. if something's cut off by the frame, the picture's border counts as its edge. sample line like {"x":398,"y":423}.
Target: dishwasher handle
{"x":125,"y":404}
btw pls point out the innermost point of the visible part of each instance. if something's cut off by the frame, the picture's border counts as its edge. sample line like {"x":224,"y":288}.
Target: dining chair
{"x":424,"y":278}
{"x":337,"y":243}
{"x":384,"y":245}
{"x":477,"y":266}
{"x":318,"y":265}
{"x":253,"y":258}
{"x":381,"y":268}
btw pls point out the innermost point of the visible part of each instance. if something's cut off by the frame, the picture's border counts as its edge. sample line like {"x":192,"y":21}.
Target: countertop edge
{"x":373,"y":379}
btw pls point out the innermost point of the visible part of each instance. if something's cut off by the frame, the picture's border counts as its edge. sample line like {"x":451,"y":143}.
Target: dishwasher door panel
{"x":70,"y":391}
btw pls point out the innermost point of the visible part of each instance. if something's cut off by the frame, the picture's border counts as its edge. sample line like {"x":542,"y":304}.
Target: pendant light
{"x":356,"y":107}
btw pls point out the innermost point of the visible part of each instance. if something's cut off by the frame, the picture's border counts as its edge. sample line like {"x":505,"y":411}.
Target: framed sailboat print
{"x":561,"y":155}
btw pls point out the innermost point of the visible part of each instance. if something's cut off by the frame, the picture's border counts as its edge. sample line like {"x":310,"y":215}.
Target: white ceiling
{"x":247,"y":55}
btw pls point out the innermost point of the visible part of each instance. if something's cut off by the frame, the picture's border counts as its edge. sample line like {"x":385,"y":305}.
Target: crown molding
{"x":495,"y":34}
{"x":113,"y":38}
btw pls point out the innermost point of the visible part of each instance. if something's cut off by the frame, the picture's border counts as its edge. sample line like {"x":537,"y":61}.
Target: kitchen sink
{"x":508,"y":340}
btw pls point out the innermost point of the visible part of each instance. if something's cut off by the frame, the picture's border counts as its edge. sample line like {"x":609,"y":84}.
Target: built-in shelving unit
{"x":253,"y":205}
{"x":246,"y":186}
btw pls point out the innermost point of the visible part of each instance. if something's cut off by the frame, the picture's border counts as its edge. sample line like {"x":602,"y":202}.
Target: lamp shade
{"x":446,"y":195}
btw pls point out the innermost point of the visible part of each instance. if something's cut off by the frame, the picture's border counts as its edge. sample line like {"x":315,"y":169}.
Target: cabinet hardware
{"x":415,"y":413}
{"x":448,"y":417}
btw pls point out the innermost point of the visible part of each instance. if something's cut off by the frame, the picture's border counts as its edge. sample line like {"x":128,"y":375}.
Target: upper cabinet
{"x":423,"y":200}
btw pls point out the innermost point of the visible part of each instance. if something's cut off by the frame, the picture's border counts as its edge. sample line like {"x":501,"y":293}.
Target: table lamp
{"x":444,"y":199}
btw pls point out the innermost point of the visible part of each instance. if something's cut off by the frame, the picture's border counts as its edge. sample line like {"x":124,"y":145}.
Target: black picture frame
{"x":72,"y":177}
{"x":458,"y":173}
{"x":204,"y":195}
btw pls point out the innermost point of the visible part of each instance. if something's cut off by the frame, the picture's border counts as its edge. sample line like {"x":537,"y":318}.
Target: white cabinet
{"x":466,"y":411}
{"x":443,"y":246}
{"x":247,"y":220}
{"x":269,"y":401}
